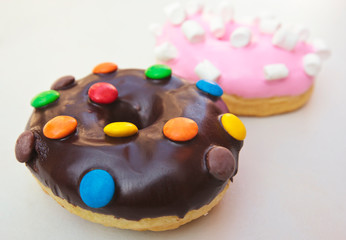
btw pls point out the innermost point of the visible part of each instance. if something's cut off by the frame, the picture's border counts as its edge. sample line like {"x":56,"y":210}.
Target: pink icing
{"x":241,"y":68}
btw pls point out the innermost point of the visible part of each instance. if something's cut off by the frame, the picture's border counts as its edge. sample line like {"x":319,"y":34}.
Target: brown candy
{"x":221,"y":163}
{"x":25,"y":146}
{"x":63,"y":83}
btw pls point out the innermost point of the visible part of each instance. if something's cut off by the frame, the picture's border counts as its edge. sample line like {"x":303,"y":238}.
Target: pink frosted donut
{"x":263,"y":66}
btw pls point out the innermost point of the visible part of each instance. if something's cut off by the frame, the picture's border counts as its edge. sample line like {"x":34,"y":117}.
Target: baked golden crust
{"x":262,"y":107}
{"x":152,"y":224}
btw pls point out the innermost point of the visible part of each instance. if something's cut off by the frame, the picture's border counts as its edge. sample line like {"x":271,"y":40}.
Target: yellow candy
{"x":120,"y":129}
{"x":234,"y":126}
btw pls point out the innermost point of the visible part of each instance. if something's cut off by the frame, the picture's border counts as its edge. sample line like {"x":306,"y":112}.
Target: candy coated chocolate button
{"x":59,"y":127}
{"x":44,"y":98}
{"x":97,"y":188}
{"x":25,"y":146}
{"x":120,"y":129}
{"x":209,"y":87}
{"x":158,"y":71}
{"x":180,"y":129}
{"x":234,"y":126}
{"x":221,"y":163}
{"x":106,"y":67}
{"x":103,"y":93}
{"x":63,"y":83}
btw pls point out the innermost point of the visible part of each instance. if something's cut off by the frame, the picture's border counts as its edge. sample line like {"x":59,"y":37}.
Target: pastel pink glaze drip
{"x":241,"y":69}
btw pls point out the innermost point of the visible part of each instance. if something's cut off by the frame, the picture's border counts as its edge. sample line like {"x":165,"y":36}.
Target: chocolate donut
{"x":133,"y":149}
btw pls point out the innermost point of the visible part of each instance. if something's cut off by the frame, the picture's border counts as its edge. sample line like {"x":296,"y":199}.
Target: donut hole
{"x":140,"y":114}
{"x":124,"y":112}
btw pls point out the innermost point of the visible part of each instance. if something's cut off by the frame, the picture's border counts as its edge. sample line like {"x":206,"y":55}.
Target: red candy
{"x":103,"y":93}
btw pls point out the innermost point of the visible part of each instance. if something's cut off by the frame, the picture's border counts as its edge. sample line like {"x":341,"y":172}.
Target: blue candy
{"x":209,"y":87}
{"x":97,"y":188}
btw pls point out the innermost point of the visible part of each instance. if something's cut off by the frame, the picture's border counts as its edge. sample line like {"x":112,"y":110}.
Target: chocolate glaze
{"x":154,"y":176}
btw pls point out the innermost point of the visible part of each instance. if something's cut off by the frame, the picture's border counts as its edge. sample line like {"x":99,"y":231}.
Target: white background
{"x":292,"y":175}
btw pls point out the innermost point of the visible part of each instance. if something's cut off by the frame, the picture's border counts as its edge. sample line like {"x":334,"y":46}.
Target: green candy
{"x":44,"y":98}
{"x":158,"y":71}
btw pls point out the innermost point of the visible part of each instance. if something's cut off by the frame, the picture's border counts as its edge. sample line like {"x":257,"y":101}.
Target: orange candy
{"x":106,"y":67}
{"x":59,"y":127}
{"x":180,"y":129}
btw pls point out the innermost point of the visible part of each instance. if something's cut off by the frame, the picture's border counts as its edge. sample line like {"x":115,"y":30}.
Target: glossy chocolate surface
{"x":154,"y":176}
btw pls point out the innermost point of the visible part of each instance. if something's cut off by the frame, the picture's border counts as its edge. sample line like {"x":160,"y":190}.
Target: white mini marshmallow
{"x":302,"y":31}
{"x":175,"y":13}
{"x":275,"y":71}
{"x":208,"y":12}
{"x":245,"y":20}
{"x":285,"y":38}
{"x":225,"y":10}
{"x":155,"y":29}
{"x":193,"y":31}
{"x":207,"y":71}
{"x":269,"y":26}
{"x":217,"y":27}
{"x":321,"y":48}
{"x":193,"y":6}
{"x":312,"y":64}
{"x":241,"y":37}
{"x":165,"y":52}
